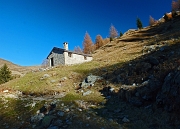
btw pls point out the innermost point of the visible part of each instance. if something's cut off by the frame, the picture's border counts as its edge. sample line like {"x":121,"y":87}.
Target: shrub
{"x":111,"y":39}
{"x":5,"y":74}
{"x":121,"y":34}
{"x":139,"y":23}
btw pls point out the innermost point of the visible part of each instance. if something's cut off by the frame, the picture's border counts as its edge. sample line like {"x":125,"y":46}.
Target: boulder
{"x":169,"y":96}
{"x":90,"y":80}
{"x":152,"y":60}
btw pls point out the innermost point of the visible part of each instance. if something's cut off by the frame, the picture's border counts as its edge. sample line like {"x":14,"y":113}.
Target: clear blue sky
{"x":29,"y":29}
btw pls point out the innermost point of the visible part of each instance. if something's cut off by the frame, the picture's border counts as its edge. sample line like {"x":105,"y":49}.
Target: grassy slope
{"x":108,"y":58}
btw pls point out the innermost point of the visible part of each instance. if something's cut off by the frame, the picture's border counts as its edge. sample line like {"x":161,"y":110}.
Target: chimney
{"x":65,"y":45}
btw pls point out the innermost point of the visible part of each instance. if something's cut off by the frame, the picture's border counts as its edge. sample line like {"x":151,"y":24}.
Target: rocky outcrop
{"x":140,"y":94}
{"x":90,"y":80}
{"x":169,"y":95}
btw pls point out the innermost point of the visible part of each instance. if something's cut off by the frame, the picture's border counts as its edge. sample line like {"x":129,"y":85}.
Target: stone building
{"x":59,"y":56}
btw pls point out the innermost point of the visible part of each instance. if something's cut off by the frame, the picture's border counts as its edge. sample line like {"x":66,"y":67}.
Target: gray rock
{"x":87,"y":93}
{"x":63,"y":79}
{"x":46,"y":121}
{"x":125,"y":120}
{"x":67,"y":110}
{"x":37,"y":117}
{"x":53,"y":81}
{"x":90,"y":80}
{"x":169,"y":92}
{"x":46,"y":76}
{"x":60,"y":113}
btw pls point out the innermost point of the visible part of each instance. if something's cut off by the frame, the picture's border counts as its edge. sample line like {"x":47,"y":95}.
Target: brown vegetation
{"x":87,"y":44}
{"x":152,"y":21}
{"x":99,"y":42}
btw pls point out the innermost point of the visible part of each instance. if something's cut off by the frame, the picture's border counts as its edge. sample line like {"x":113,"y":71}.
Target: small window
{"x":85,"y":58}
{"x":69,"y":54}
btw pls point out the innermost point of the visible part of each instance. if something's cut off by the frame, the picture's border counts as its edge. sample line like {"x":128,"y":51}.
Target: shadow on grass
{"x":126,"y":106}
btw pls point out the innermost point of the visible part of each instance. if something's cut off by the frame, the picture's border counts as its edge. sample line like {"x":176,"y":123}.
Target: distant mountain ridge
{"x":17,"y":69}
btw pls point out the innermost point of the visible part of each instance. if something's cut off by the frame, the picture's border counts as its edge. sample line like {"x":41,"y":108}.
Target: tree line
{"x":89,"y":47}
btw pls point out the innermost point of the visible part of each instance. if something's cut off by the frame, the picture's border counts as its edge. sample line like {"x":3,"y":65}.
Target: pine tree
{"x":78,"y":50}
{"x":113,"y":32}
{"x":121,"y":34}
{"x":99,"y":41}
{"x":139,"y":23}
{"x":87,"y":44}
{"x":152,"y":21}
{"x":5,"y":74}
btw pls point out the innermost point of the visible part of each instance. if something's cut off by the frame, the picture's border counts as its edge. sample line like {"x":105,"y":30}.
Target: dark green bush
{"x":5,"y":74}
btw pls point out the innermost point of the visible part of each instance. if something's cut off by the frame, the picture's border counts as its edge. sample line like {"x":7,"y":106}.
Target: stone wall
{"x":72,"y":58}
{"x":61,"y":56}
{"x":58,"y":58}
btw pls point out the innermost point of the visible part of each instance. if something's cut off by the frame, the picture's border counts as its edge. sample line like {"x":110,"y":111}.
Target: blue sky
{"x":29,"y":29}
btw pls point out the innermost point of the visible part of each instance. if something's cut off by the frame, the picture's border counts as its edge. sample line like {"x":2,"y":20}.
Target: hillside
{"x":17,"y":70}
{"x":132,"y":83}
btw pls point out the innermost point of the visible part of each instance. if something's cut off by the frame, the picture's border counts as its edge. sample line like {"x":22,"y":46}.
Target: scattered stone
{"x":67,"y":110}
{"x":5,"y":91}
{"x":125,"y":120}
{"x":46,"y":121}
{"x":63,"y":79}
{"x":37,"y":117}
{"x":87,"y":93}
{"x":79,"y":109}
{"x":90,"y":80}
{"x":46,"y":76}
{"x":60,"y":113}
{"x":53,"y":81}
{"x":13,"y":96}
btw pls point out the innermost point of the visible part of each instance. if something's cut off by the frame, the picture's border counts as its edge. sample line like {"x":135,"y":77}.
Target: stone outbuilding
{"x":59,"y":56}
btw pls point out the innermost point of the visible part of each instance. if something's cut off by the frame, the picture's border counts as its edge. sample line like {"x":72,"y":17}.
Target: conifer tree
{"x":121,"y":34}
{"x":87,"y":44}
{"x":113,"y":32}
{"x":5,"y":74}
{"x":99,"y":41}
{"x":139,"y":23}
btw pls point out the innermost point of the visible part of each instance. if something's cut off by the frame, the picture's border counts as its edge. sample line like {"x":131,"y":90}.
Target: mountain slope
{"x":136,"y":67}
{"x":17,"y":69}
